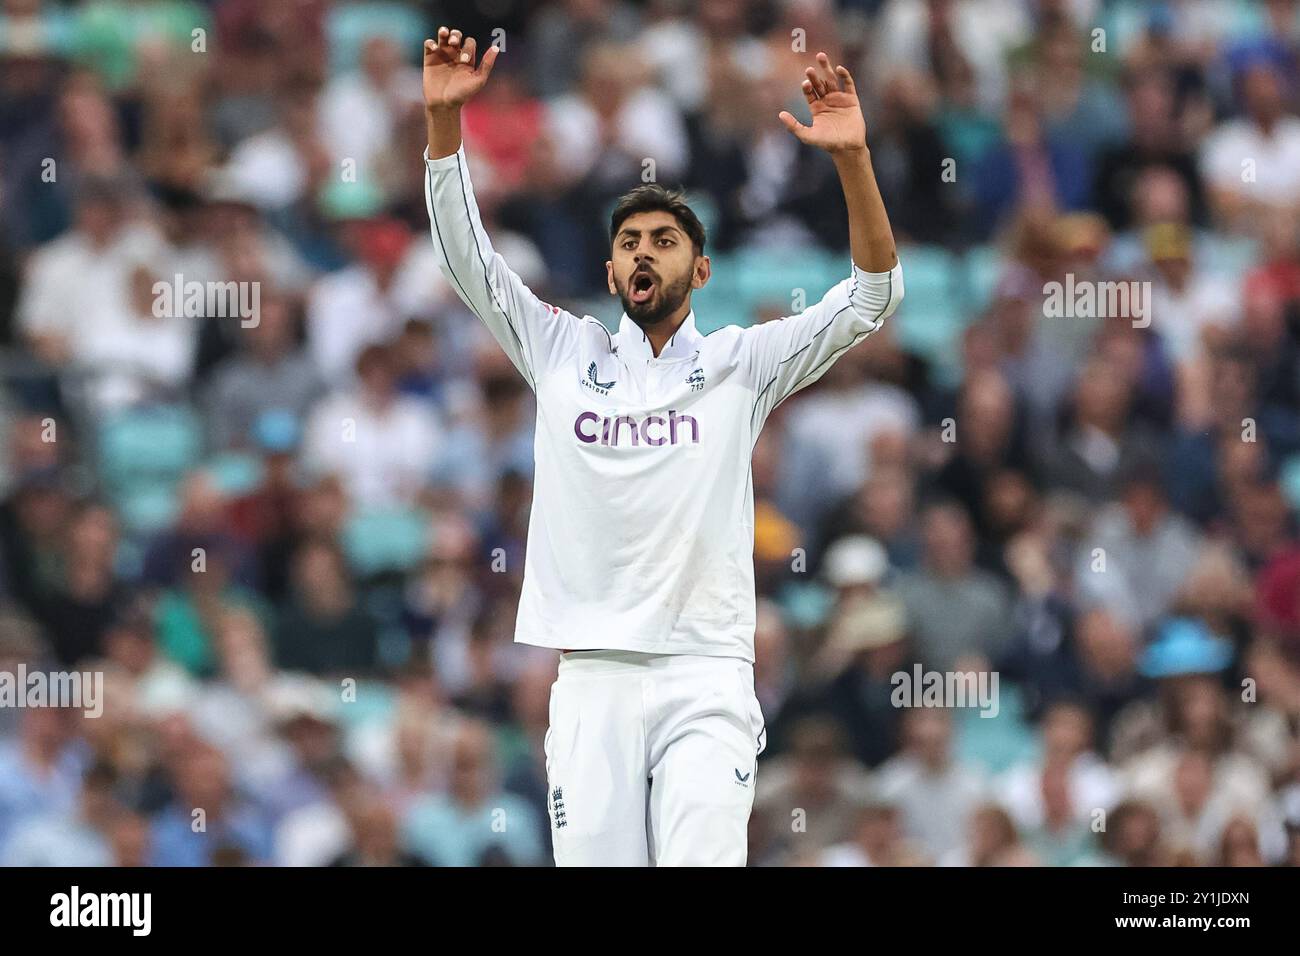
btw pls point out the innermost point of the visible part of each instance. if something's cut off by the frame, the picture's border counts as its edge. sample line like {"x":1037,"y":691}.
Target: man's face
{"x":947,"y":540}
{"x":654,"y":267}
{"x":99,"y":218}
{"x":1262,"y":91}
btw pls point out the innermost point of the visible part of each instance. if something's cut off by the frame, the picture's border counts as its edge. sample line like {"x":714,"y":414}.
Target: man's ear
{"x":609,"y":277}
{"x":703,"y":270}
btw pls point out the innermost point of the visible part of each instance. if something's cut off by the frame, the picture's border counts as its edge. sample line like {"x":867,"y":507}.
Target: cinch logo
{"x":592,"y":429}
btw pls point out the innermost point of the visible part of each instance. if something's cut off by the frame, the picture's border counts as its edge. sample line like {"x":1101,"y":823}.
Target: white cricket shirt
{"x":641,"y":535}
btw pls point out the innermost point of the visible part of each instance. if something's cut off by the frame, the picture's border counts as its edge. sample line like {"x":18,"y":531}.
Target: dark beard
{"x":668,"y":301}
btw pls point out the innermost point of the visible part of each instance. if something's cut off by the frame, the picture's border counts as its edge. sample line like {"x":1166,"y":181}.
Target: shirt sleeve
{"x":532,"y":333}
{"x":788,"y":354}
{"x":45,"y":305}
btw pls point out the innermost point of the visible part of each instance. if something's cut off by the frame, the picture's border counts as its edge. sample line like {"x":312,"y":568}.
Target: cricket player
{"x":639,"y":565}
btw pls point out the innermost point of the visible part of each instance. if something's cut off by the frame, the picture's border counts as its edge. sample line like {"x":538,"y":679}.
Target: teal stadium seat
{"x":350,"y":25}
{"x":934,"y":313}
{"x":747,"y":282}
{"x":983,"y":266}
{"x":995,"y":743}
{"x":1230,"y":255}
{"x":143,"y":455}
{"x":234,"y":473}
{"x":1290,"y":480}
{"x":376,"y":541}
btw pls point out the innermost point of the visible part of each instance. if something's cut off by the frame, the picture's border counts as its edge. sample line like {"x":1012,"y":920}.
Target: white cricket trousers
{"x":651,"y":759}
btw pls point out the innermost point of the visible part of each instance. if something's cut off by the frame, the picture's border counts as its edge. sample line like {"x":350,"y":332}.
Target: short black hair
{"x":652,"y":197}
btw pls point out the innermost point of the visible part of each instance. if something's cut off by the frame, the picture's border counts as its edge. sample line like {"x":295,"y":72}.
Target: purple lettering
{"x":625,"y":420}
{"x":674,"y":418}
{"x":645,"y":430}
{"x":577,"y":426}
{"x":611,"y":429}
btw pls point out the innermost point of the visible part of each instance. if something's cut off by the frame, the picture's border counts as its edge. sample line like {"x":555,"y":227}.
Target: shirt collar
{"x":633,"y":344}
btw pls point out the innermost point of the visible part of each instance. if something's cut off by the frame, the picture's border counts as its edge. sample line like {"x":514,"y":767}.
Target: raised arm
{"x":532,"y":333}
{"x":839,"y":128}
{"x":791,"y":353}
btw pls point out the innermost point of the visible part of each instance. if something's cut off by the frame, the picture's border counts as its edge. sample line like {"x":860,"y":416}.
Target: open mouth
{"x":643,"y":287}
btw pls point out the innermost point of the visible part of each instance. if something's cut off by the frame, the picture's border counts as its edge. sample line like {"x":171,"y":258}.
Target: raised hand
{"x":450,"y":75}
{"x":837,"y":123}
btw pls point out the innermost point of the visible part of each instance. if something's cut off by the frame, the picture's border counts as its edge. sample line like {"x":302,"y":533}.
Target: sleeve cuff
{"x":862,"y":275}
{"x":445,"y":162}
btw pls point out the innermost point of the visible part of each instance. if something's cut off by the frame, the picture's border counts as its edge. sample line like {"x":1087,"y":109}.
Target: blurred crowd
{"x":293,"y":546}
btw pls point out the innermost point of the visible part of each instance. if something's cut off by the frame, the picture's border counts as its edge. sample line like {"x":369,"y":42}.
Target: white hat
{"x":291,"y":696}
{"x":868,"y":623}
{"x":856,"y":559}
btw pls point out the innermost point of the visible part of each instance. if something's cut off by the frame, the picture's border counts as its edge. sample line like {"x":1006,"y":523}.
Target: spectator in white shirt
{"x":284,"y":164}
{"x":381,"y":443}
{"x":1254,"y":161}
{"x":392,"y":279}
{"x":1067,"y":732}
{"x":829,"y":437}
{"x":1189,"y":306}
{"x":359,"y":110}
{"x":938,"y":793}
{"x":88,"y":302}
{"x":615,"y":121}
{"x":981,"y":31}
